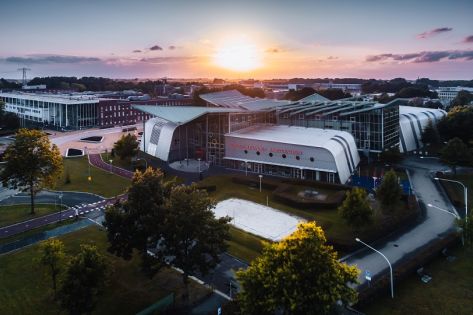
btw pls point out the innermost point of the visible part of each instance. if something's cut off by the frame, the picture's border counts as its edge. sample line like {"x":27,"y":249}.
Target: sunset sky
{"x":238,"y":39}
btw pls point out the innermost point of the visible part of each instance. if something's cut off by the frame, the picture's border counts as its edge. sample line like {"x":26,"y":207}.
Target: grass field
{"x":244,"y":245}
{"x":26,"y":289}
{"x":449,"y":292}
{"x":456,"y":192}
{"x":16,"y":213}
{"x":32,"y":232}
{"x":102,"y":183}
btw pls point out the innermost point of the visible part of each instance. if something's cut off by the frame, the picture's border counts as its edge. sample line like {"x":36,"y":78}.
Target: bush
{"x":283,"y":195}
{"x":67,"y":179}
{"x":207,"y":188}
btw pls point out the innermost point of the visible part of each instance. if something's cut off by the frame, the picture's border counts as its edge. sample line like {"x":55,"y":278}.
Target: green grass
{"x":103,"y":183}
{"x":31,"y":232}
{"x":244,"y":245}
{"x":449,"y":292}
{"x":26,"y":289}
{"x":16,"y":213}
{"x":455,"y":191}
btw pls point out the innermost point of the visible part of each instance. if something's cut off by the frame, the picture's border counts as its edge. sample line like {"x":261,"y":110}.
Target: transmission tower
{"x":24,"y":69}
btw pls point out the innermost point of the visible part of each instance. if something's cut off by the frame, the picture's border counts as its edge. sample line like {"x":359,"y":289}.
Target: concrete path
{"x":95,"y":159}
{"x":435,"y":226}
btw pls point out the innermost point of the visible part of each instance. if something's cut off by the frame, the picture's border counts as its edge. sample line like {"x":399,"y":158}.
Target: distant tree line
{"x":331,"y":94}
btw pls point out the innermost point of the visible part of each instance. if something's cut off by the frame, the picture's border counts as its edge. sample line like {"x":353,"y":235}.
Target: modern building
{"x":447,"y":94}
{"x":57,"y":110}
{"x":412,"y":122}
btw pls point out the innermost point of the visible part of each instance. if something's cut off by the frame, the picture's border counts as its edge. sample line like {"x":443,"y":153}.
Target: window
{"x":301,"y":116}
{"x":246,"y":151}
{"x":311,"y":159}
{"x":284,"y":156}
{"x":257,"y":153}
{"x":298,"y":157}
{"x":270,"y":154}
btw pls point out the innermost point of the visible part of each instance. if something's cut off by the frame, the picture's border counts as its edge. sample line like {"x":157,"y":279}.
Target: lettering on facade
{"x":265,"y":149}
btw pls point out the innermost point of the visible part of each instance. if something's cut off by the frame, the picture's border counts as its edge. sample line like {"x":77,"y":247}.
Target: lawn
{"x":244,"y":245}
{"x":26,"y":289}
{"x":16,"y":213}
{"x":103,"y":183}
{"x":449,"y":292}
{"x":456,"y":192}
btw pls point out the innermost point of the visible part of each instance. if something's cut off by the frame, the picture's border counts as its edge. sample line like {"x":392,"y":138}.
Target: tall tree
{"x":355,"y":209}
{"x":134,"y":223}
{"x":463,"y":98}
{"x":126,"y":147}
{"x":192,"y":237}
{"x":298,"y":275}
{"x":84,"y":281}
{"x":457,"y":124}
{"x":456,"y":153}
{"x":32,"y":163}
{"x":52,"y":257}
{"x":389,"y":192}
{"x":430,"y":134}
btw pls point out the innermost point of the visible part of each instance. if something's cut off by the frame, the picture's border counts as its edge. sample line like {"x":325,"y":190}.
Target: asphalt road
{"x":435,"y":225}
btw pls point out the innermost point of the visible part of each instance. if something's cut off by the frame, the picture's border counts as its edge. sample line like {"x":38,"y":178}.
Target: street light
{"x":465,"y":192}
{"x":60,"y":207}
{"x":198,"y":160}
{"x":260,"y":178}
{"x":111,"y":166}
{"x":451,"y":213}
{"x":390,"y":267}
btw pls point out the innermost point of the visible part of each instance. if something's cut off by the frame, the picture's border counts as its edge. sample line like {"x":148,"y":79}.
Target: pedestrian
{"x":77,"y":214}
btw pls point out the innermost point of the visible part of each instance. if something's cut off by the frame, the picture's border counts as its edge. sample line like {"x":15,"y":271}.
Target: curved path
{"x":95,"y":159}
{"x":435,"y":226}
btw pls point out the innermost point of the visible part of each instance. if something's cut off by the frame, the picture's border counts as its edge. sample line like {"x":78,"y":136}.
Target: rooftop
{"x":290,"y":134}
{"x":234,"y":99}
{"x":52,"y":98}
{"x":182,"y":114}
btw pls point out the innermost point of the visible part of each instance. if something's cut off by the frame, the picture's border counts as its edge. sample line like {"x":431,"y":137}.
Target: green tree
{"x":192,"y":237}
{"x":389,"y":192}
{"x":463,"y":98}
{"x":457,"y":124}
{"x":467,"y":227}
{"x":84,"y":281}
{"x":430,"y":134}
{"x":126,"y":147}
{"x":298,"y":275}
{"x":456,"y":153}
{"x":132,"y":224}
{"x":32,"y":163}
{"x":392,"y":155}
{"x":52,"y":256}
{"x":355,"y":209}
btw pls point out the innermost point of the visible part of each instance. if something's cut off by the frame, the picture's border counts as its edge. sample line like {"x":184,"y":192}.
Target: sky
{"x":260,"y":39}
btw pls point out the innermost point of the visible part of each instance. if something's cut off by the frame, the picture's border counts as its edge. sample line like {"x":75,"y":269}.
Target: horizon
{"x":238,"y":41}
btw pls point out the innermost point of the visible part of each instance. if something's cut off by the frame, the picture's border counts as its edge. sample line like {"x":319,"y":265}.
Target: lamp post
{"x":260,"y":178}
{"x":111,"y":166}
{"x":465,"y":192}
{"x":60,"y":207}
{"x":198,"y":160}
{"x":374,"y":182}
{"x":451,"y":213}
{"x":390,"y":267}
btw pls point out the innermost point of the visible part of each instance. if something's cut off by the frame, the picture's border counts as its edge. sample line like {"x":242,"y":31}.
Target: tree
{"x":126,"y":147}
{"x":295,"y":95}
{"x":84,"y":281}
{"x":52,"y":256}
{"x":463,"y":98}
{"x":458,"y":124}
{"x":430,"y":134}
{"x":192,"y":237}
{"x":392,"y":155}
{"x":456,"y":153}
{"x":298,"y":275}
{"x":355,"y":209}
{"x":32,"y":163}
{"x":467,"y":227}
{"x":133,"y":223}
{"x":389,"y":192}
{"x":334,"y":94}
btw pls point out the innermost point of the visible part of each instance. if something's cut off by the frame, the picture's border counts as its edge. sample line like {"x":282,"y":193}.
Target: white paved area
{"x":257,"y":219}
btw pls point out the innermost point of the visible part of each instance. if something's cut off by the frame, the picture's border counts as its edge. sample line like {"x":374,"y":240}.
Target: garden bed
{"x":92,"y":139}
{"x":71,"y":152}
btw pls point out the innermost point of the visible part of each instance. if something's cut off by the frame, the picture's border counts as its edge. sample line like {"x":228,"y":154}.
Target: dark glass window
{"x":257,"y":153}
{"x":311,"y":159}
{"x":270,"y":154}
{"x":284,"y":156}
{"x":246,"y":151}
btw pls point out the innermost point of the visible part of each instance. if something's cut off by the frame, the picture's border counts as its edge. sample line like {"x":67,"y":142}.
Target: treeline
{"x":4,"y":84}
{"x":331,"y":94}
{"x":96,"y":84}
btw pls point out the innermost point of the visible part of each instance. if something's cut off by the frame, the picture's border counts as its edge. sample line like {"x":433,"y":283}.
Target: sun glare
{"x":238,"y":55}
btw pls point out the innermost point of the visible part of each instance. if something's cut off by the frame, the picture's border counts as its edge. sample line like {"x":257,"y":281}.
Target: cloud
{"x":156,"y":47}
{"x":167,"y":60}
{"x":332,"y":57}
{"x":424,"y":56}
{"x":434,"y":32}
{"x":136,"y":51}
{"x":273,"y":50}
{"x":468,"y":39}
{"x":50,"y":59}
{"x":172,"y":47}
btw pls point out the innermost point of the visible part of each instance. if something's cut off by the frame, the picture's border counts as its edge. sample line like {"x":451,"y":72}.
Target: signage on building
{"x":264,"y":149}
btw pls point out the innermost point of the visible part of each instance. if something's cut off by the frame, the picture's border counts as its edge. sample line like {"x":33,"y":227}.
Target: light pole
{"x":465,"y":192}
{"x":451,"y":213}
{"x":60,"y":207}
{"x":390,"y":267}
{"x":260,"y":178}
{"x":198,"y":160}
{"x":111,"y":166}
{"x":374,"y":182}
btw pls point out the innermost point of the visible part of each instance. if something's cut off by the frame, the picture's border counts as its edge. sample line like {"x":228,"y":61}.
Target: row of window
{"x":271,"y":154}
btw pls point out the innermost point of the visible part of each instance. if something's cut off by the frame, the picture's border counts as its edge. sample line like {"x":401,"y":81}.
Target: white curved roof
{"x":234,"y":99}
{"x":157,"y":137}
{"x":412,"y":121}
{"x":343,"y":155}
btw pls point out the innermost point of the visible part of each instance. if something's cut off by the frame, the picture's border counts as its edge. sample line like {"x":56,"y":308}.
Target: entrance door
{"x":258,"y":168}
{"x":296,"y":173}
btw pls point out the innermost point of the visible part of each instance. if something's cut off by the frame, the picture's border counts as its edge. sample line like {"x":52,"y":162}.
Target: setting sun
{"x":238,"y":55}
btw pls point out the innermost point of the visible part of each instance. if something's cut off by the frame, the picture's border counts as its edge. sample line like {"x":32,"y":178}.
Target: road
{"x":434,"y":226}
